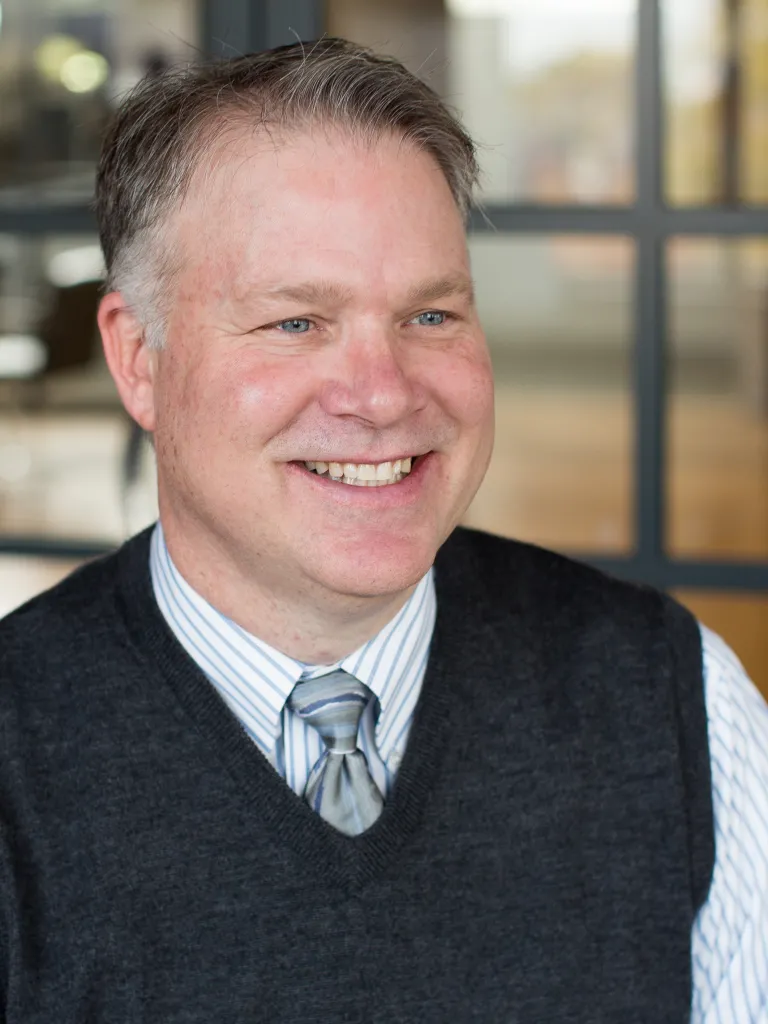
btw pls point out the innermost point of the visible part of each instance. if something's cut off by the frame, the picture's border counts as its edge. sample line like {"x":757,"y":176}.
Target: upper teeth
{"x":364,"y":474}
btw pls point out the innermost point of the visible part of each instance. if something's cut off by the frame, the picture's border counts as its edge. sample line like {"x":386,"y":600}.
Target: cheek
{"x":191,"y":415}
{"x":245,"y":403}
{"x":262,"y":397}
{"x":255,"y":394}
{"x":466,"y":387}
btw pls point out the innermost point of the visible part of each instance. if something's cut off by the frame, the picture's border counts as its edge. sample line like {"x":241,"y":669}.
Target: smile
{"x":363,"y":474}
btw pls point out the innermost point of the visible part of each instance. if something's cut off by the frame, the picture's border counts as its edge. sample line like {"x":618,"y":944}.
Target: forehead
{"x":324,"y":203}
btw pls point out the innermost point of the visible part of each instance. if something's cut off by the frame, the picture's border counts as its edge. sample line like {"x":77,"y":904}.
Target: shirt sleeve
{"x":729,"y":944}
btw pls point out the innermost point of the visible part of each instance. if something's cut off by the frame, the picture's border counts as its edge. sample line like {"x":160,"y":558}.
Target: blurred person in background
{"x":307,"y":750}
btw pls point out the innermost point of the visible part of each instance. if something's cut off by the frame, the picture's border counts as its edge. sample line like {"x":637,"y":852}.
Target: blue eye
{"x":432,"y":318}
{"x":299,"y":325}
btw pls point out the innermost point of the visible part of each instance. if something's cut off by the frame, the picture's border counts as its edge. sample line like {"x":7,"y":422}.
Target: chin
{"x":377,"y":570}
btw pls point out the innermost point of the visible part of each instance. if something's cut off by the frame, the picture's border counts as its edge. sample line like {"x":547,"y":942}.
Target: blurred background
{"x":620,"y":251}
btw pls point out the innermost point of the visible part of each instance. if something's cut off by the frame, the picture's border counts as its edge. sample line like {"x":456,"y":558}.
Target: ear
{"x":131,"y":362}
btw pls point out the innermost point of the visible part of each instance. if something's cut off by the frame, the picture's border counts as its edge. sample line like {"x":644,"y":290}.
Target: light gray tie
{"x":339,"y":787}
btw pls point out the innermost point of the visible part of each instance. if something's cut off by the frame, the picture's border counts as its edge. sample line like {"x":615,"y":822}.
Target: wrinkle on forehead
{"x":229,"y":210}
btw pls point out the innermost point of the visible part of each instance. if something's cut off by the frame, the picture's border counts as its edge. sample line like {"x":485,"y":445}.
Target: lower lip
{"x":404,"y":492}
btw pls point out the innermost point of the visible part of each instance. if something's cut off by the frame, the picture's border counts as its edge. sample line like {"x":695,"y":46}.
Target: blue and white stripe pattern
{"x":256,"y":680}
{"x":729,"y":944}
{"x":730,"y":938}
{"x":340,"y":788}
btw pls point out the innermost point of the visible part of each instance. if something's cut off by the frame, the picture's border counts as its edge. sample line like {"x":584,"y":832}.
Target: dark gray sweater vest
{"x":541,"y":859}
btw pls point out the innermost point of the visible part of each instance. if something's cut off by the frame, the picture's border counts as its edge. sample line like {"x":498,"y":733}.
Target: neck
{"x":309,"y":624}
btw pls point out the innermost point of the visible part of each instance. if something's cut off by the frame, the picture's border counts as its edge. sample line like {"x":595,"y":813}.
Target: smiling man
{"x":322,"y":403}
{"x":307,"y":750}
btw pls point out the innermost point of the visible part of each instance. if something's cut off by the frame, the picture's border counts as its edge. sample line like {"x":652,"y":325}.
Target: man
{"x":306,"y":751}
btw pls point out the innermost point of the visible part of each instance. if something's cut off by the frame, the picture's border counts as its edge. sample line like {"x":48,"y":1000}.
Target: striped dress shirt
{"x":729,"y":943}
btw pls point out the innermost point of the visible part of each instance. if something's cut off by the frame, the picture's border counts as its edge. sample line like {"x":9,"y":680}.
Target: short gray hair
{"x":168,"y":123}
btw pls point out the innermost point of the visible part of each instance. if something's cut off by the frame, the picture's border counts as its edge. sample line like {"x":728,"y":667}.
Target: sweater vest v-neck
{"x":542,"y":857}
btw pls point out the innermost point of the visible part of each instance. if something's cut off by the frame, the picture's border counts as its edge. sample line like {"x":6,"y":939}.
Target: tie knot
{"x":333,"y":705}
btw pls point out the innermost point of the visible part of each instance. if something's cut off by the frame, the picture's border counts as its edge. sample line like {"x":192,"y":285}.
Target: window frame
{"x":235,"y":26}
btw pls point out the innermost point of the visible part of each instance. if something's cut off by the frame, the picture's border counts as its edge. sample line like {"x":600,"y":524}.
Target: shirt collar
{"x":389,"y":663}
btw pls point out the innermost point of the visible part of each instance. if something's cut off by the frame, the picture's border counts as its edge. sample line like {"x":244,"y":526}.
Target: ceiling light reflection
{"x":53,"y":53}
{"x":84,"y":72}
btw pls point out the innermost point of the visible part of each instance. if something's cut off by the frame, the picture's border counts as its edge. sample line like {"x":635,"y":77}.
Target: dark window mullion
{"x":42,"y":219}
{"x":666,"y":573}
{"x":232,"y":27}
{"x":25,"y":546}
{"x":559,"y":220}
{"x":650,"y":305}
{"x":741,"y":220}
{"x":624,"y":220}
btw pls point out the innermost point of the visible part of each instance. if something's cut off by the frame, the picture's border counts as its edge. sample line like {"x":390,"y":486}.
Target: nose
{"x":372,"y":380}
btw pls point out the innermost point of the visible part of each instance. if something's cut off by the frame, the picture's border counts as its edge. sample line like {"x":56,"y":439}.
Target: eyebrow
{"x":330,"y":293}
{"x":442,"y":288}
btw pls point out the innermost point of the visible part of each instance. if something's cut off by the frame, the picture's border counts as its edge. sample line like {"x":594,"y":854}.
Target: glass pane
{"x":718,"y":398}
{"x":65,"y":442}
{"x":741,"y":620}
{"x":545,"y":87}
{"x":62,"y":64}
{"x":23,"y":578}
{"x":716,"y":70}
{"x":557,"y":315}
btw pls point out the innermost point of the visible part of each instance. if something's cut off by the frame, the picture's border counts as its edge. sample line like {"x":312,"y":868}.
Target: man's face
{"x":321,"y":314}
